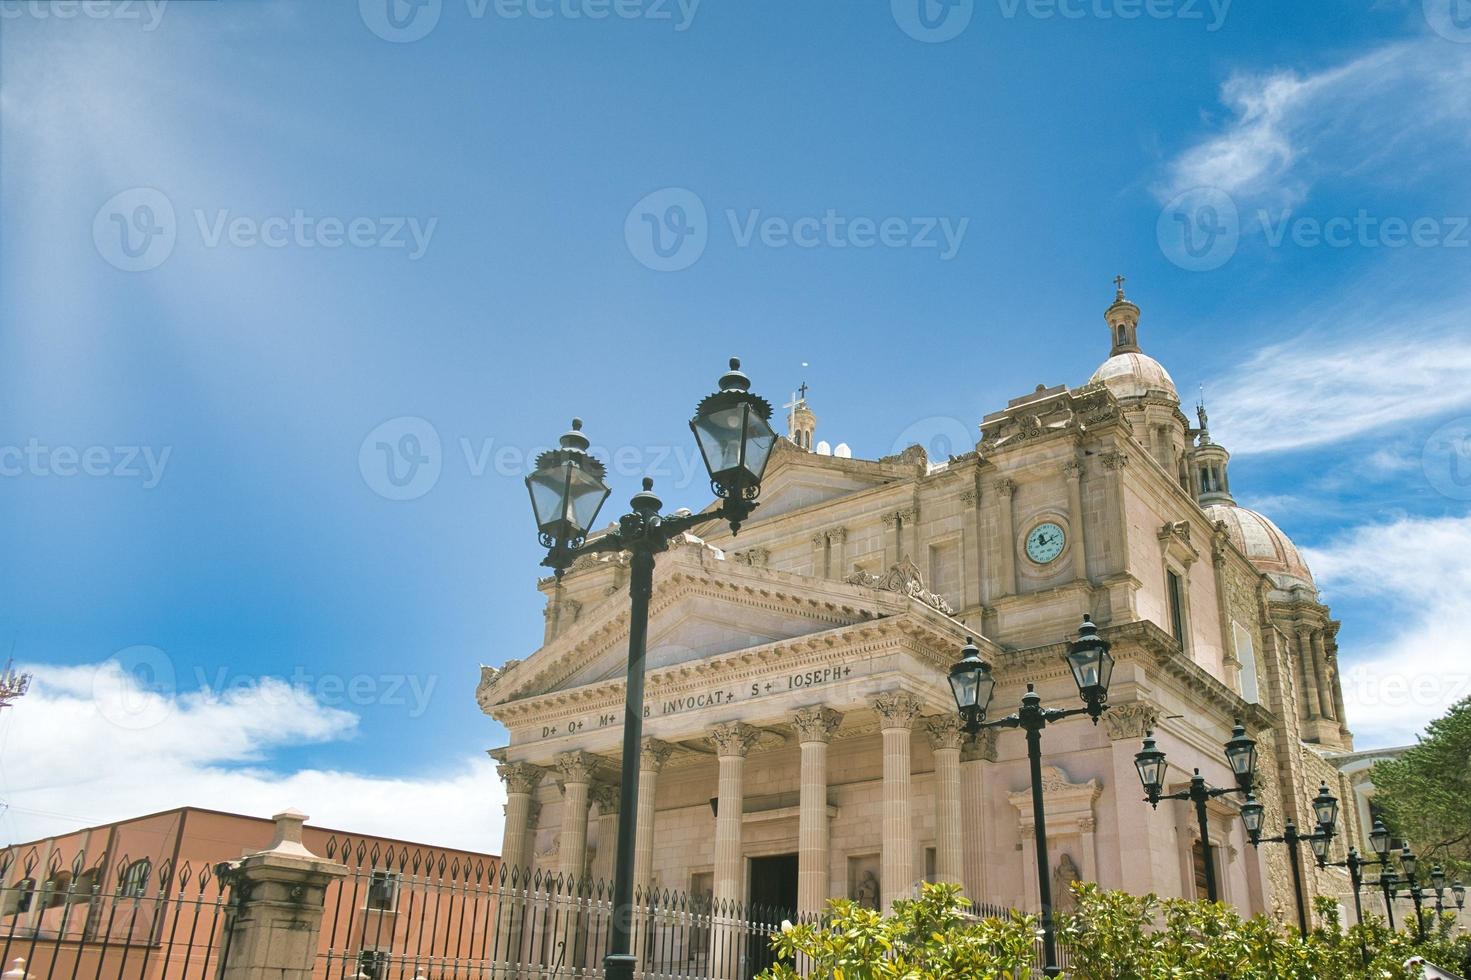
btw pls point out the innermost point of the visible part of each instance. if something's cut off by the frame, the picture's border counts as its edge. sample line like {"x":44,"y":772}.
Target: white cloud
{"x":1346,"y":375}
{"x":1420,"y":568}
{"x":1394,"y":111}
{"x":91,"y":744}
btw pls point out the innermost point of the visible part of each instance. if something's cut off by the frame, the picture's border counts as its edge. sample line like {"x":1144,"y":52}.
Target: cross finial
{"x":802,"y":390}
{"x":1118,"y":283}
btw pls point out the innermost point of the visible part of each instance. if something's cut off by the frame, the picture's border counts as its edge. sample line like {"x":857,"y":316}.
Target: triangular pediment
{"x":796,"y":479}
{"x":704,"y":606}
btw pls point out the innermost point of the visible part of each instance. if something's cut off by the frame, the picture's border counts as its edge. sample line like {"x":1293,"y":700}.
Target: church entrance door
{"x":773,"y":894}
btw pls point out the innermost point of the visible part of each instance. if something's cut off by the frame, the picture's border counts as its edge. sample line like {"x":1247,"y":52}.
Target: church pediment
{"x":704,"y":605}
{"x":796,"y":479}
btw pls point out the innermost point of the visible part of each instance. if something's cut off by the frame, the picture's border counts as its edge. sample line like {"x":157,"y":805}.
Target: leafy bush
{"x":1110,"y":936}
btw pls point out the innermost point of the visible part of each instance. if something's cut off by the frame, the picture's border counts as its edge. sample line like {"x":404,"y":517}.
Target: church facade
{"x":801,"y":739}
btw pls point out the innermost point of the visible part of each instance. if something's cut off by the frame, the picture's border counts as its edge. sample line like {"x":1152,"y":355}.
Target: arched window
{"x":19,"y":896}
{"x":57,"y":888}
{"x":135,"y":879}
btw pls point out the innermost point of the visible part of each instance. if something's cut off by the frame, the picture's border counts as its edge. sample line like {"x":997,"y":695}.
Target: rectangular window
{"x":1246,"y":654}
{"x":1197,"y":853}
{"x":372,"y":964}
{"x":383,"y":891}
{"x":1177,"y":608}
{"x":930,"y":874}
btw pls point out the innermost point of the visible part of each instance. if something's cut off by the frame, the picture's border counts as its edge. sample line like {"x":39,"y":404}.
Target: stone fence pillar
{"x":274,"y":923}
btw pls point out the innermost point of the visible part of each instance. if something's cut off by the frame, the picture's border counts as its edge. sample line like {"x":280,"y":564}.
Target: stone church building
{"x":801,"y":736}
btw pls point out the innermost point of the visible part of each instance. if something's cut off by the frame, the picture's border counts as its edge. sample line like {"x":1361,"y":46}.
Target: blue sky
{"x":340,"y":233}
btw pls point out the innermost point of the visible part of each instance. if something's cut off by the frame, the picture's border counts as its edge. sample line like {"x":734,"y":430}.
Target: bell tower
{"x":801,"y":422}
{"x":1123,"y":322}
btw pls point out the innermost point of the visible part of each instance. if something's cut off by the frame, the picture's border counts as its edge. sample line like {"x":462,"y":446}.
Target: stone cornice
{"x":920,"y":631}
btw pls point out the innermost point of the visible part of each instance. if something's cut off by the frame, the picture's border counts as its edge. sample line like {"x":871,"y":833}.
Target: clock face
{"x":1045,"y":542}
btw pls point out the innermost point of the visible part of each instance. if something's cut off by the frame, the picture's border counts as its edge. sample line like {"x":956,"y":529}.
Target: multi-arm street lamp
{"x":974,"y":685}
{"x":1409,"y":864}
{"x":1380,"y":844}
{"x":735,"y":437}
{"x":1240,"y":753}
{"x":1458,"y":891}
{"x":1325,"y":810}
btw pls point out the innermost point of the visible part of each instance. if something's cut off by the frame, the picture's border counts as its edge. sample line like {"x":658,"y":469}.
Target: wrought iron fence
{"x":407,"y":914}
{"x":124,"y":920}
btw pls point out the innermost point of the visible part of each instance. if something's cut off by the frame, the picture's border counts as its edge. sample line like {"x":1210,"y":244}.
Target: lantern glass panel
{"x":1379,"y":839}
{"x":1325,"y":807}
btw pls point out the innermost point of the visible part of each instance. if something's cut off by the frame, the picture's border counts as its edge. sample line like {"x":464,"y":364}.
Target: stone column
{"x":517,"y":852}
{"x":732,"y":741}
{"x":972,"y":566}
{"x":516,"y":845}
{"x":576,"y":769}
{"x":820,"y":567}
{"x":897,"y":711}
{"x":945,"y":738}
{"x":891,"y":540}
{"x":815,"y":726}
{"x":1320,"y":669}
{"x":1007,"y":543}
{"x":1073,"y":471}
{"x":837,"y":540}
{"x":1309,"y":672}
{"x":605,"y":795}
{"x":651,"y":762}
{"x":909,"y":527}
{"x":274,"y":922}
{"x":1126,"y":724}
{"x":976,"y":814}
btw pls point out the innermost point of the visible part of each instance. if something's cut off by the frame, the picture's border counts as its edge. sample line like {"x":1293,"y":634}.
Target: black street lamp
{"x":735,"y":437}
{"x":1380,"y":843}
{"x":1409,"y":864}
{"x":1151,"y":764}
{"x":973,"y":685}
{"x":1355,"y":865}
{"x":1325,"y":811}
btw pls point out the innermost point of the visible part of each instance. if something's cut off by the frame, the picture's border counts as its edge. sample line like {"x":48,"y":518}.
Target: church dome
{"x":1264,"y":544}
{"x":1134,"y":374}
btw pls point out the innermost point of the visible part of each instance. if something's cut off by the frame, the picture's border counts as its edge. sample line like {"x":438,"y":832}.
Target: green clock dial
{"x":1045,"y":542}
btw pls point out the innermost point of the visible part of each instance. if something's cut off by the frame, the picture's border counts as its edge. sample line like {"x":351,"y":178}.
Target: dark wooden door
{"x":773,"y":897}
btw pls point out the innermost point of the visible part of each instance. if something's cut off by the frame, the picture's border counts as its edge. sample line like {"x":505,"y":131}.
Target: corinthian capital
{"x":1006,"y":487}
{"x":944,"y":731}
{"x":520,"y":777}
{"x":898,"y":709}
{"x":576,"y":767}
{"x":982,"y":748}
{"x":733,"y":738}
{"x":816,"y":724}
{"x":606,"y":796}
{"x":1130,"y":719}
{"x":654,"y":754}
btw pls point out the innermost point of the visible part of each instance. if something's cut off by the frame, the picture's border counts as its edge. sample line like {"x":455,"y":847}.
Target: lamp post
{"x":1379,"y":843}
{"x":1151,"y":765}
{"x":974,"y":685}
{"x":1325,"y":811}
{"x":1409,"y":864}
{"x":735,"y":437}
{"x":1355,"y":865}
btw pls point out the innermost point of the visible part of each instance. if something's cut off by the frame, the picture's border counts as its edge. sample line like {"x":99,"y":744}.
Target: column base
{"x":619,"y":966}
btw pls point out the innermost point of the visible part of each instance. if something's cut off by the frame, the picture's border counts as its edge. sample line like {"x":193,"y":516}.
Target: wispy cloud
{"x":1343,"y":377}
{"x":91,"y":744}
{"x":1415,"y":667}
{"x":1394,"y":111}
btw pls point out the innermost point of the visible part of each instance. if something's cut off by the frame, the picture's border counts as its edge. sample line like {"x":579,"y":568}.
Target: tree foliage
{"x":1425,"y":794}
{"x":1111,"y":936}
